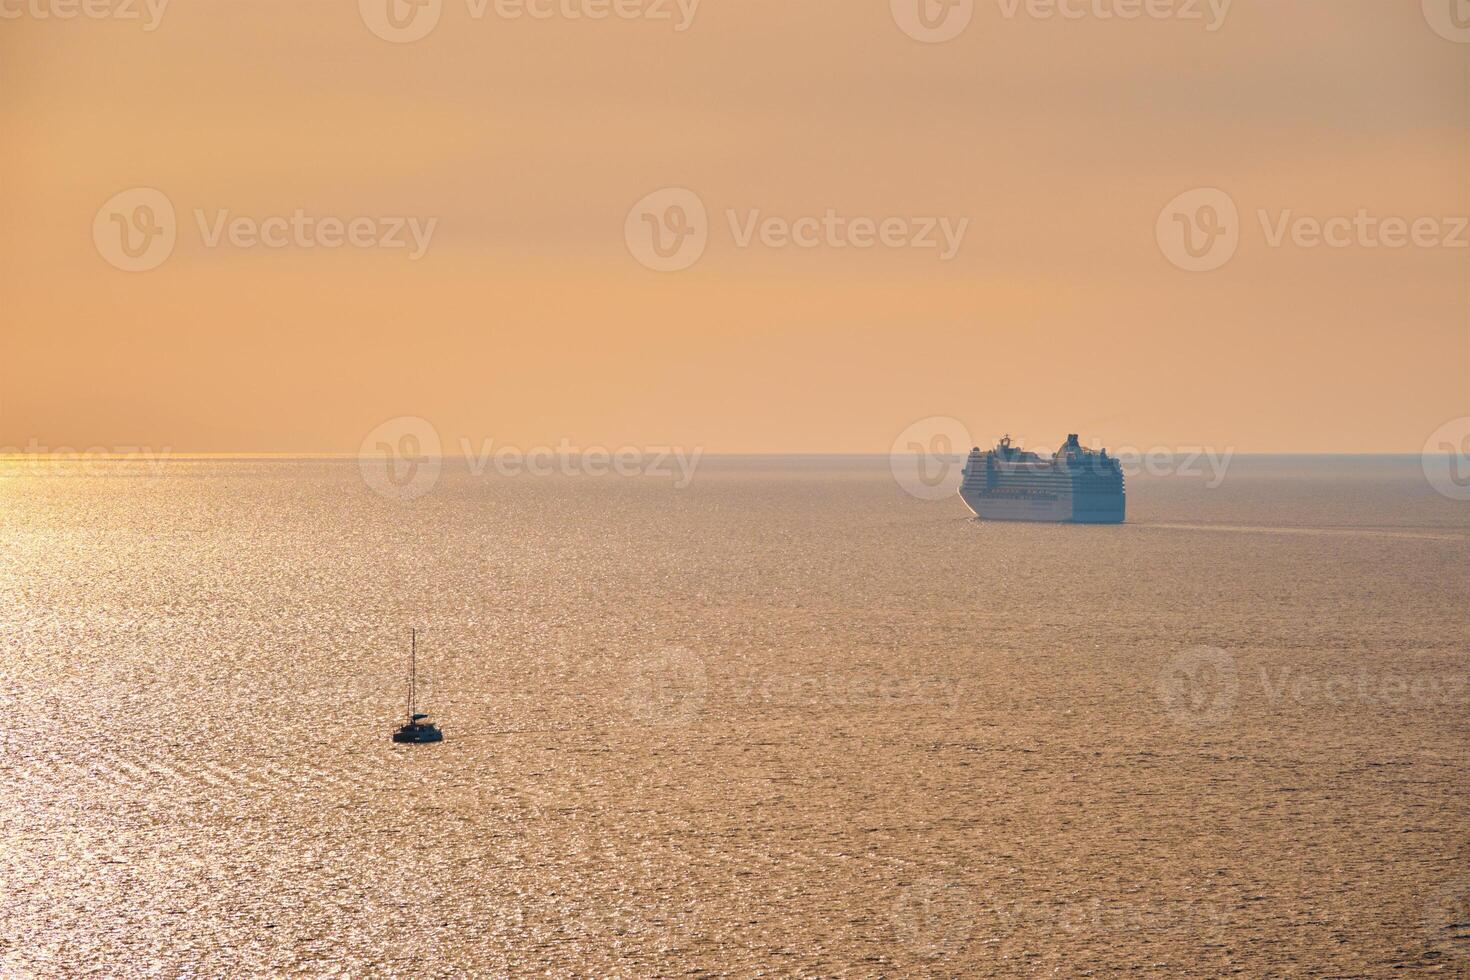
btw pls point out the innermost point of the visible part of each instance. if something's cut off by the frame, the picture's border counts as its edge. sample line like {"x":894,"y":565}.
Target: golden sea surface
{"x":786,"y":720}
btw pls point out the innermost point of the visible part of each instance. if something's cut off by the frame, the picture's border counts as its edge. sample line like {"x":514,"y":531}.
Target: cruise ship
{"x":1074,"y":485}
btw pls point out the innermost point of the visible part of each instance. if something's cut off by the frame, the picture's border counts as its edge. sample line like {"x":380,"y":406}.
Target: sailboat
{"x":418,"y":729}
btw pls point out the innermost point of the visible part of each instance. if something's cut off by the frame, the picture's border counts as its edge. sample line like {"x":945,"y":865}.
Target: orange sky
{"x":528,"y":320}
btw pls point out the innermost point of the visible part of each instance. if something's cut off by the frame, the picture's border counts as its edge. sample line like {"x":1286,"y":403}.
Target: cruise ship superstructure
{"x":1074,"y":485}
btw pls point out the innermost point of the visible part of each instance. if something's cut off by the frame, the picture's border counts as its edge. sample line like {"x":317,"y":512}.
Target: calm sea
{"x":787,"y":718}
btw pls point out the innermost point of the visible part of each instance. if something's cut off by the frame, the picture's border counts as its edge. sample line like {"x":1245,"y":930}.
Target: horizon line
{"x":169,"y":454}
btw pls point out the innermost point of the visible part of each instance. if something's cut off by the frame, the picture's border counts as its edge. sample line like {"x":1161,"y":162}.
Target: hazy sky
{"x":528,"y":318}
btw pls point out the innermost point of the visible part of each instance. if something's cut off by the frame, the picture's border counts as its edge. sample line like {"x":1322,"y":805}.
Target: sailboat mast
{"x":413,"y":666}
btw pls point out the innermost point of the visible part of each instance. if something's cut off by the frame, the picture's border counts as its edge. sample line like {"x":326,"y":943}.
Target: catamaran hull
{"x":1081,"y":508}
{"x":418,"y":738}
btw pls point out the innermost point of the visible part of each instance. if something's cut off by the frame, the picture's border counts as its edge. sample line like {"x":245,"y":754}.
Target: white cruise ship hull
{"x":1086,"y":508}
